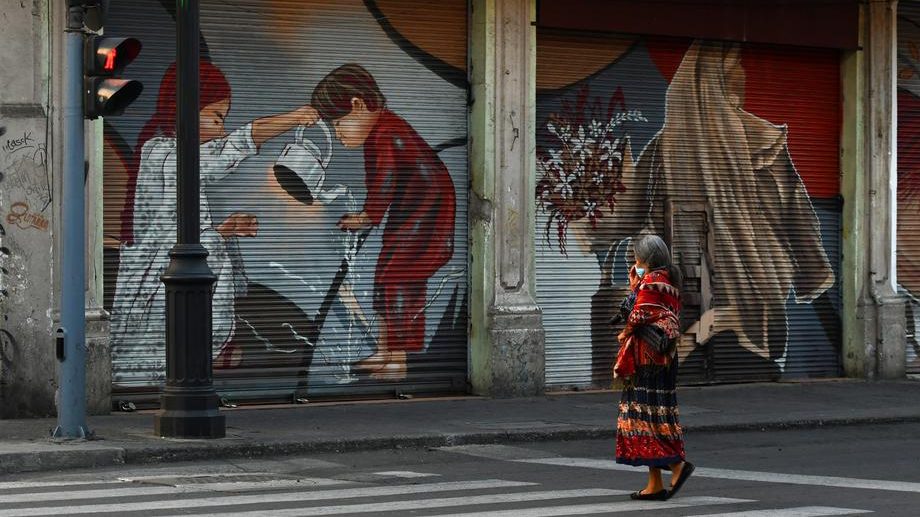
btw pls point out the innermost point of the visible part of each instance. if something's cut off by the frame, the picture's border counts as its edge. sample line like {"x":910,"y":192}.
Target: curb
{"x":61,"y":458}
{"x":149,"y":455}
{"x":50,"y":457}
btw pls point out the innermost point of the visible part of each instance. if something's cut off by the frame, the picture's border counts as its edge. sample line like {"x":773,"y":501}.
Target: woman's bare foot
{"x":654,"y":484}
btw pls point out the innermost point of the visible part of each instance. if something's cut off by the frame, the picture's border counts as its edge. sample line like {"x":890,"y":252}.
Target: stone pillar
{"x":875,"y":340}
{"x":98,"y":328}
{"x":506,"y":328}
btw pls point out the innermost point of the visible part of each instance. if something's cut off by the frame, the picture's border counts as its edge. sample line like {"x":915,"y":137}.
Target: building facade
{"x":474,"y":235}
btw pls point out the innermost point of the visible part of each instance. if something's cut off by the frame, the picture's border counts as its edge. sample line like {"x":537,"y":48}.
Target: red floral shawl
{"x":657,"y":303}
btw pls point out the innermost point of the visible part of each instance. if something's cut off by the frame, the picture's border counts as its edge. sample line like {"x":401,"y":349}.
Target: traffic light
{"x":104,"y":58}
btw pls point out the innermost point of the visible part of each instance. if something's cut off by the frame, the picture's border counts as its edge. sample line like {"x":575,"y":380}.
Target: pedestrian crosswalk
{"x":402,"y":493}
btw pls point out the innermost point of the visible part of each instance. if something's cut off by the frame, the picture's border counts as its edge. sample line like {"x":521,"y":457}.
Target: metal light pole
{"x":70,"y":338}
{"x":189,"y":405}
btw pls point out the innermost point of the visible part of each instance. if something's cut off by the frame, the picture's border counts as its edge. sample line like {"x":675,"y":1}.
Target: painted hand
{"x":239,"y":225}
{"x":355,"y":222}
{"x":307,"y":116}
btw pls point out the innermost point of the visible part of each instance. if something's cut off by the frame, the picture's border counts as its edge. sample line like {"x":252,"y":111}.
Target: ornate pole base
{"x":189,"y":405}
{"x":188,"y":413}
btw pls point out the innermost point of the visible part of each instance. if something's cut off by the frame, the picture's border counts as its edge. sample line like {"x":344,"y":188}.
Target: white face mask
{"x":640,"y":272}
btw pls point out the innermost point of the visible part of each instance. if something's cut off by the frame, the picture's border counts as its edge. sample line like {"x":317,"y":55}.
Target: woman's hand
{"x":633,"y":279}
{"x":239,"y":225}
{"x":355,"y":222}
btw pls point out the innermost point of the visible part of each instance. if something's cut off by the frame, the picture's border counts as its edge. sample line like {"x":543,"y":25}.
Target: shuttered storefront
{"x":300,"y":304}
{"x":909,"y":173}
{"x":729,"y":152}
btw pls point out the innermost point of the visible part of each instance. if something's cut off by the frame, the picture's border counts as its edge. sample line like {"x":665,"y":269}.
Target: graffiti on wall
{"x":674,"y":138}
{"x":909,"y":174}
{"x":328,"y":205}
{"x":25,"y":211}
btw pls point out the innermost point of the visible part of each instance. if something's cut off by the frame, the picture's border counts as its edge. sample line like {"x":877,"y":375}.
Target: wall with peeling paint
{"x":27,"y":366}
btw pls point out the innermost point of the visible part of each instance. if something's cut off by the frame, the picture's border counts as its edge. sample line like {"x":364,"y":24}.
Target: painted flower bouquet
{"x":582,"y":173}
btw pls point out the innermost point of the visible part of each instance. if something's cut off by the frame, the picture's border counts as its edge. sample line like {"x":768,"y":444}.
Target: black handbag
{"x":654,"y":337}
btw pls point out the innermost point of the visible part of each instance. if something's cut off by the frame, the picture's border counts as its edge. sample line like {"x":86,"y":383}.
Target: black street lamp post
{"x":189,"y":404}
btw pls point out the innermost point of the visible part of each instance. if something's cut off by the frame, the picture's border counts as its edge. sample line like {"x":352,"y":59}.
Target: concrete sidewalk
{"x":128,"y":437}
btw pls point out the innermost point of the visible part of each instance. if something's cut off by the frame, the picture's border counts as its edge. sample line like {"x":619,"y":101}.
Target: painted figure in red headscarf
{"x":410,"y":188}
{"x":149,"y":215}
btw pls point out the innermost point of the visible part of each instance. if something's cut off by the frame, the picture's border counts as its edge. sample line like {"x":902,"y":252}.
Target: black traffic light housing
{"x":104,"y":58}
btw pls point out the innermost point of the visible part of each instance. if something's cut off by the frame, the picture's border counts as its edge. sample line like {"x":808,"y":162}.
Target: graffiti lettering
{"x":16,"y":144}
{"x":26,"y":156}
{"x":24,"y":219}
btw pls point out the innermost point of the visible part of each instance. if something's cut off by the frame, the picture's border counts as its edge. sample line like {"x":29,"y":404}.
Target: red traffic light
{"x":103,"y":59}
{"x":107,"y":56}
{"x":109,"y":65}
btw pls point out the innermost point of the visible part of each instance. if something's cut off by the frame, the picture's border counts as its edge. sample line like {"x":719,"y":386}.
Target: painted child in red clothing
{"x":409,"y":186}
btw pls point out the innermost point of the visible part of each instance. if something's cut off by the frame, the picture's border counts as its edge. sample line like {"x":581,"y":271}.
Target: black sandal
{"x":684,"y":476}
{"x":657,"y":496}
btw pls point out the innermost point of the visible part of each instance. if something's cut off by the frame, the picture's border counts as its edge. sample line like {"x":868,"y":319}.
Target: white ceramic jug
{"x":301,"y":168}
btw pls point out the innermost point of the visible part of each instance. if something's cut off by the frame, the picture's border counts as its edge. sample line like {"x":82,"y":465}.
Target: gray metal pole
{"x":71,"y":336}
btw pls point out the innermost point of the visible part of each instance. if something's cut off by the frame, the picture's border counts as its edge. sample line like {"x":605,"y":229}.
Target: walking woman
{"x":648,"y":428}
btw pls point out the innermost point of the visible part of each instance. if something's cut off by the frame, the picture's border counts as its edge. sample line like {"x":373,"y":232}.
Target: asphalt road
{"x":837,"y":471}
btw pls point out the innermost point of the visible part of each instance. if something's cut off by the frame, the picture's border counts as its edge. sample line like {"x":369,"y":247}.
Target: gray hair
{"x":652,"y":251}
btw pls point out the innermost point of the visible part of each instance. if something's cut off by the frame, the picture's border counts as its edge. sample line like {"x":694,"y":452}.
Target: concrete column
{"x":874,"y":341}
{"x":98,"y":341}
{"x":506,"y":328}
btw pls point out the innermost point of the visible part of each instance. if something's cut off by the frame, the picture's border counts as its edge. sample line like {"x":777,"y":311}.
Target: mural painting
{"x":909,"y":175}
{"x":682,"y":139}
{"x":329,"y":203}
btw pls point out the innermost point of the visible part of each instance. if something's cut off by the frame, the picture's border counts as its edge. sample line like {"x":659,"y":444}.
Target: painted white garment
{"x":139,"y":317}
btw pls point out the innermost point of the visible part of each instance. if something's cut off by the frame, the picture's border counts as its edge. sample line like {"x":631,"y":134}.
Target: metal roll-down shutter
{"x":730,"y":153}
{"x":909,"y":174}
{"x":299,"y":302}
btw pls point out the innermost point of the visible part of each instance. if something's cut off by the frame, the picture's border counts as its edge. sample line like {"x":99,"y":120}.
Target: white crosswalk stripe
{"x":743,"y":475}
{"x":295,"y":497}
{"x":25,"y":485}
{"x":594,"y":509}
{"x":802,"y":511}
{"x":47,"y":497}
{"x":276,"y":497}
{"x":405,"y":474}
{"x":142,"y":490}
{"x":421,"y":504}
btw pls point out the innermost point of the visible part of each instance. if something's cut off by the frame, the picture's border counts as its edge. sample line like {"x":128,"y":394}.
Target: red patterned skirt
{"x":648,"y":428}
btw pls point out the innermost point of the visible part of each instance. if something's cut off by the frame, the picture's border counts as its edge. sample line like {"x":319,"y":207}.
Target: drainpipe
{"x":70,"y":338}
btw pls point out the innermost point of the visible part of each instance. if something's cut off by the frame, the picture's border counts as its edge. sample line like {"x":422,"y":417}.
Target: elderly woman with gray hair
{"x":648,"y":428}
